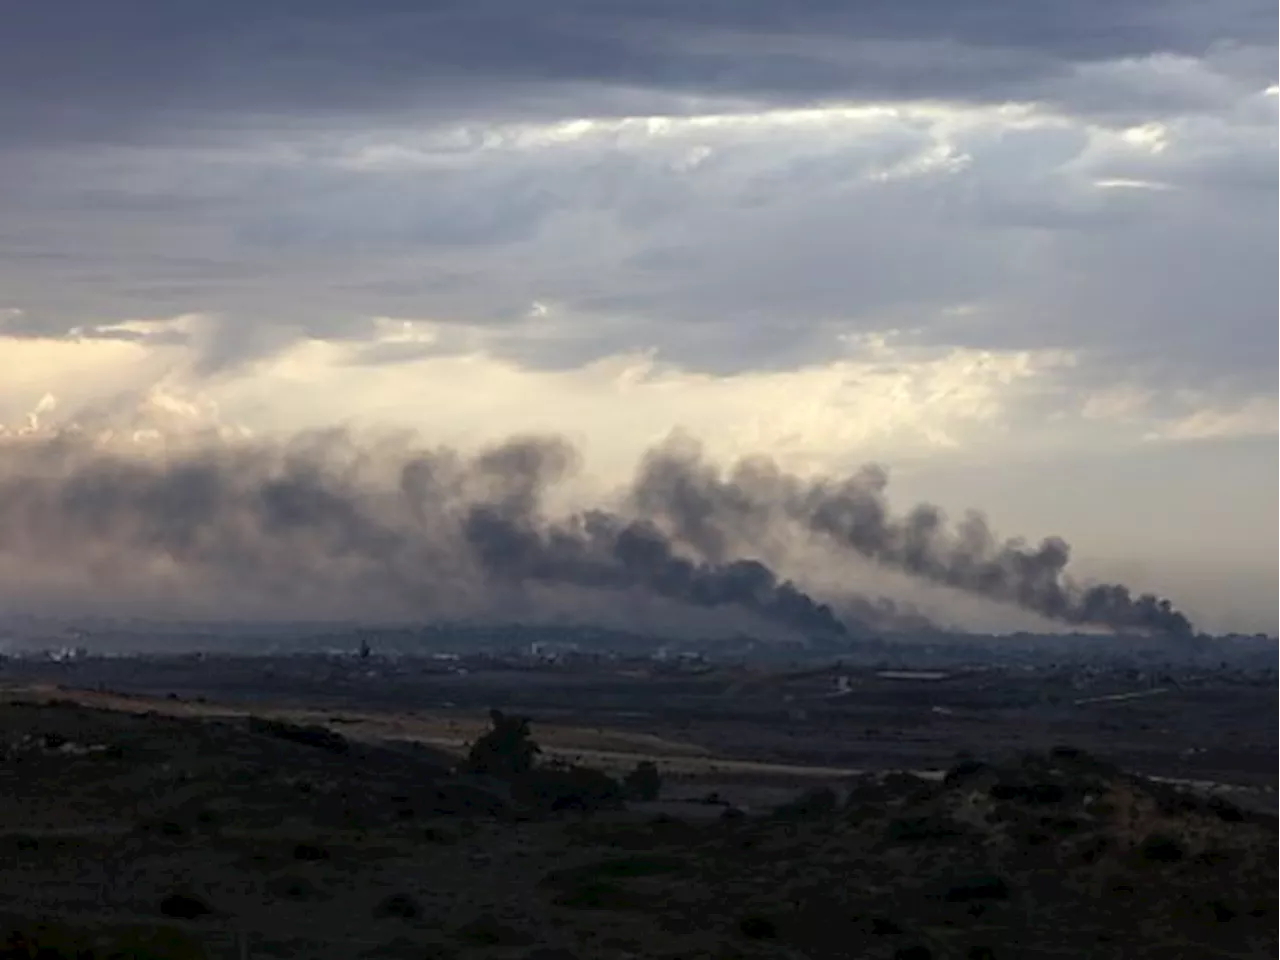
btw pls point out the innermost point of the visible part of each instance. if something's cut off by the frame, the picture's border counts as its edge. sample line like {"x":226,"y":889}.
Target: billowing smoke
{"x":323,"y":514}
{"x":715,"y":511}
{"x":323,"y":511}
{"x":600,"y":549}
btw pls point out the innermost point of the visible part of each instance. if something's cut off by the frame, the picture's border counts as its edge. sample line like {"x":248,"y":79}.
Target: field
{"x":294,"y":808}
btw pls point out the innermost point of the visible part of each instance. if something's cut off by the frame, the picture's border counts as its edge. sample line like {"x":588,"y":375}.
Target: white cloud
{"x":1125,"y":183}
{"x":1124,"y":402}
{"x":880,"y":399}
{"x":76,"y":372}
{"x":1255,"y":416}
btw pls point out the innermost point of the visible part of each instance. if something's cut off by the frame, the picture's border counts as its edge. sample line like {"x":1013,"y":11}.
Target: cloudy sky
{"x":1023,"y":255}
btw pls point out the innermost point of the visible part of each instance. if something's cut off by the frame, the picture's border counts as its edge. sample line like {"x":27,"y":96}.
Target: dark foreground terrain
{"x":154,"y":828}
{"x":1179,"y":721}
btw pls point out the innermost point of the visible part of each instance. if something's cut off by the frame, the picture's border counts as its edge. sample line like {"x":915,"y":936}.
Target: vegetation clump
{"x":644,"y":782}
{"x":981,"y":887}
{"x":1161,"y":848}
{"x":564,"y":787}
{"x":964,"y":771}
{"x":295,"y":888}
{"x":812,"y":804}
{"x":506,"y":751}
{"x":310,"y":851}
{"x":509,"y":753}
{"x":398,"y":906}
{"x":921,"y":829}
{"x":311,"y":736}
{"x":756,"y":927}
{"x":182,"y":906}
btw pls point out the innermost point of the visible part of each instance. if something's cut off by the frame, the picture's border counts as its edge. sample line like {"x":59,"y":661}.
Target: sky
{"x":1022,"y":256}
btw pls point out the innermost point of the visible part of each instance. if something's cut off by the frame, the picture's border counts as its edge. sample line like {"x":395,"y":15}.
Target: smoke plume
{"x":324,"y":514}
{"x":598,"y":549}
{"x":715,"y":511}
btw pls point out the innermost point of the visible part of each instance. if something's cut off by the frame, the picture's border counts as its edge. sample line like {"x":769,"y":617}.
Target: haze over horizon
{"x":1023,"y":257}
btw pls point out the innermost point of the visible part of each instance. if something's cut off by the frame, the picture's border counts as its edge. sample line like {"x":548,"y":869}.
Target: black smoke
{"x":715,"y":511}
{"x":599,"y":549}
{"x":325,"y":513}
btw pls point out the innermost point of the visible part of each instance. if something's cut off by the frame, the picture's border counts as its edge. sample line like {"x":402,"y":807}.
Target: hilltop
{"x":203,"y":836}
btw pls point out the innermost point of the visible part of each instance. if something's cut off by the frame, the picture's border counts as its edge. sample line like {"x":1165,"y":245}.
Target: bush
{"x":295,"y":888}
{"x":758,"y":928}
{"x":437,"y":835}
{"x":818,"y":802}
{"x":964,"y":770}
{"x":506,"y":751}
{"x":464,"y":799}
{"x":1161,"y":848}
{"x":978,"y":888}
{"x":914,"y":829}
{"x":1082,"y":761}
{"x":1038,"y":793}
{"x":644,"y":782}
{"x":168,"y":829}
{"x":311,"y":736}
{"x":398,"y":905}
{"x":181,"y":906}
{"x":1225,"y":810}
{"x":310,"y":851}
{"x":567,"y":787}
{"x":1221,"y":910}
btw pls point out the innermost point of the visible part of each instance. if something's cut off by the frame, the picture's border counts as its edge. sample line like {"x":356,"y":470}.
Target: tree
{"x":644,"y":782}
{"x":506,"y":750}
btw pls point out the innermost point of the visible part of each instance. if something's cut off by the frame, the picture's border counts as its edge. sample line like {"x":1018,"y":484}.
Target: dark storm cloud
{"x":83,"y":68}
{"x":281,"y":169}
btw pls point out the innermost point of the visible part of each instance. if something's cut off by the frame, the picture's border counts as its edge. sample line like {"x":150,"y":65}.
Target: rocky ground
{"x":140,"y":834}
